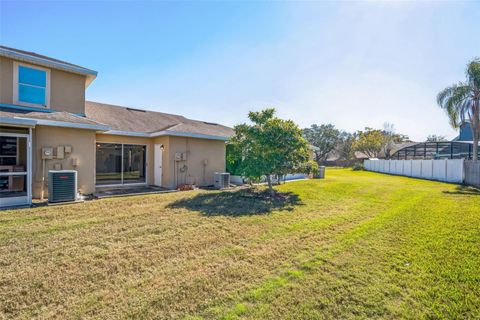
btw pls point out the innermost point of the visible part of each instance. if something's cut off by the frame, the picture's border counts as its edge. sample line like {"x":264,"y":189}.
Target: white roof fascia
{"x":54,"y":123}
{"x":165,"y":133}
{"x":188,"y":134}
{"x":18,"y":122}
{"x":90,"y":74}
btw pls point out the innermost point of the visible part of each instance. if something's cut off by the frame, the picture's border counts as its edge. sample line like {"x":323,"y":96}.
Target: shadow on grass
{"x":238,"y":202}
{"x":464,"y":190}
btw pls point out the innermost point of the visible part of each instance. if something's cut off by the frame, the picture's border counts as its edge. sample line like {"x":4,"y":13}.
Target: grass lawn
{"x":356,"y":245}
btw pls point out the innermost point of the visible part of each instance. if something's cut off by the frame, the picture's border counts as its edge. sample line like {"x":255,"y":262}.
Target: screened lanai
{"x":436,"y":150}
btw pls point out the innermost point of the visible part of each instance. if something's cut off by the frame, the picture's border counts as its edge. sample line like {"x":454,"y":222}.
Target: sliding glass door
{"x":133,"y":163}
{"x":109,"y":163}
{"x":118,"y":164}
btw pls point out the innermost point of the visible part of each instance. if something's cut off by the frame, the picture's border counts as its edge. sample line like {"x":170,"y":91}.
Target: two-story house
{"x":46,"y":124}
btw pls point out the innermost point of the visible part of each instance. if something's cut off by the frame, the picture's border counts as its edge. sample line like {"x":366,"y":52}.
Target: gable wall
{"x":67,"y":90}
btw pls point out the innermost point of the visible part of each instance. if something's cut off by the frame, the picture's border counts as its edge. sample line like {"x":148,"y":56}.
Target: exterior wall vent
{"x":62,"y":185}
{"x":221,"y":180}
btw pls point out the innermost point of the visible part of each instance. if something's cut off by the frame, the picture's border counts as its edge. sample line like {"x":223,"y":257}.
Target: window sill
{"x":31,"y":105}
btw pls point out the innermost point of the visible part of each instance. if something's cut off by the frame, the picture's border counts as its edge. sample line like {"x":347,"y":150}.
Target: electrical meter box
{"x":178,"y":156}
{"x":47,"y":153}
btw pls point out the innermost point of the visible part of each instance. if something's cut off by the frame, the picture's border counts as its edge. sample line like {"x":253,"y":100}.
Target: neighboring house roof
{"x":465,"y":132}
{"x":130,"y":121}
{"x":9,"y":115}
{"x":45,"y":61}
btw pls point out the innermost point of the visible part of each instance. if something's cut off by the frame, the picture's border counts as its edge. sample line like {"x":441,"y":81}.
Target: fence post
{"x":446,"y":170}
{"x":433,"y":164}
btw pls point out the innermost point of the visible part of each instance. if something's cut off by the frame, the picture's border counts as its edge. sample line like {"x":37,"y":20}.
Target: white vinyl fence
{"x":447,"y":170}
{"x":472,"y":173}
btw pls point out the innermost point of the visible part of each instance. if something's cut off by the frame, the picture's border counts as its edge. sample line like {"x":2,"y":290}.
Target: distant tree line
{"x":335,"y":146}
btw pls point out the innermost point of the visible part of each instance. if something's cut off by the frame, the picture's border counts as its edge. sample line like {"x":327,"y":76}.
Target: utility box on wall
{"x":180,"y":156}
{"x":47,"y":153}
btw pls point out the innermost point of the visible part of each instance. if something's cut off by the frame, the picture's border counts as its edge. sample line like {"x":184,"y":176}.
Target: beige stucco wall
{"x":6,"y":80}
{"x":204,"y":157}
{"x":83,"y":149}
{"x":67,"y":90}
{"x":197,"y":151}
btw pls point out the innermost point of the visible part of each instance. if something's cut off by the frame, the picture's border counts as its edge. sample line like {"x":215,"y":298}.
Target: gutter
{"x":166,"y":133}
{"x":73,"y":125}
{"x":34,"y":109}
{"x":18,"y":122}
{"x":189,"y":135}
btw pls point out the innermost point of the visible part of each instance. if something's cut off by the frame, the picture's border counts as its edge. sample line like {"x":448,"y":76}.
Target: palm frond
{"x":452,"y":100}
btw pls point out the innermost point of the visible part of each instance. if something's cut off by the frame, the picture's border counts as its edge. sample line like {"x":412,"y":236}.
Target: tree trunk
{"x":270,"y":187}
{"x":475,"y":130}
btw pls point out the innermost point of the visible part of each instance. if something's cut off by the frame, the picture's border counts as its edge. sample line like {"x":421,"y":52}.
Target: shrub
{"x":310,"y":167}
{"x":357,"y":167}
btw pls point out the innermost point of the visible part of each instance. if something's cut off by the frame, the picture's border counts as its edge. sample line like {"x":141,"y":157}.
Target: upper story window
{"x":31,"y":85}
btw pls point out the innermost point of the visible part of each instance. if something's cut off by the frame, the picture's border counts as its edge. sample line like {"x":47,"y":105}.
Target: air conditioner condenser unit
{"x":221,"y":180}
{"x":62,"y":185}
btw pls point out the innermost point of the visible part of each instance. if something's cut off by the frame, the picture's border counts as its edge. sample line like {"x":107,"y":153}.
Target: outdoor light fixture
{"x":162,"y":147}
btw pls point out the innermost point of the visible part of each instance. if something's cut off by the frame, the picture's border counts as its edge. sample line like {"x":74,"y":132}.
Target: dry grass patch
{"x":355,"y":245}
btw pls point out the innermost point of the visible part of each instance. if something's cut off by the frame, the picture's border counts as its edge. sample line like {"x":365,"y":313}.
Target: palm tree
{"x":462,"y":101}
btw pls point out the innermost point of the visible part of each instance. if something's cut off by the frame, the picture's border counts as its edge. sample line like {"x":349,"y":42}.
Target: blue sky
{"x":353,"y":64}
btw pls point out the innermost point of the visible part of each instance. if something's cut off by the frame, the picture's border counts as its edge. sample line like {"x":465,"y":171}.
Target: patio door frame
{"x":21,"y":200}
{"x":123,"y":184}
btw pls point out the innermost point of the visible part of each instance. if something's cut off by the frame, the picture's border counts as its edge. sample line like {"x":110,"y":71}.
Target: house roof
{"x":124,"y":120}
{"x":465,"y":133}
{"x":9,"y":115}
{"x":45,"y":61}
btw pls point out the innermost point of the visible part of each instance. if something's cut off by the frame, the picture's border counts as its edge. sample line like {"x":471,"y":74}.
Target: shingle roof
{"x":59,"y":117}
{"x":143,"y":121}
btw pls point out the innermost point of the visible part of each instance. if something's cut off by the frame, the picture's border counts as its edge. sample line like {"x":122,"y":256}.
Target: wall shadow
{"x":241,"y":202}
{"x":464,"y":190}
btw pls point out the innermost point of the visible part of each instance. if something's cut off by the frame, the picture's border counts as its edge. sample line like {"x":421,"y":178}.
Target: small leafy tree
{"x":462,"y":101}
{"x":233,"y":161}
{"x":324,"y":137}
{"x":376,"y":142}
{"x":370,"y":142}
{"x":268,"y":146}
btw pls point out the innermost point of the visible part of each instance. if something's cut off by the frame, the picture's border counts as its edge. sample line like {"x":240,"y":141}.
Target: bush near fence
{"x":447,"y":170}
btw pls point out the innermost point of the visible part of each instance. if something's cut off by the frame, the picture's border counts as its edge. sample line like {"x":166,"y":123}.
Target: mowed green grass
{"x":355,"y":245}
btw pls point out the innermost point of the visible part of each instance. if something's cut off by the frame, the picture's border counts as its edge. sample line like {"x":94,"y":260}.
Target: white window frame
{"x":16,"y":99}
{"x":123,"y":184}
